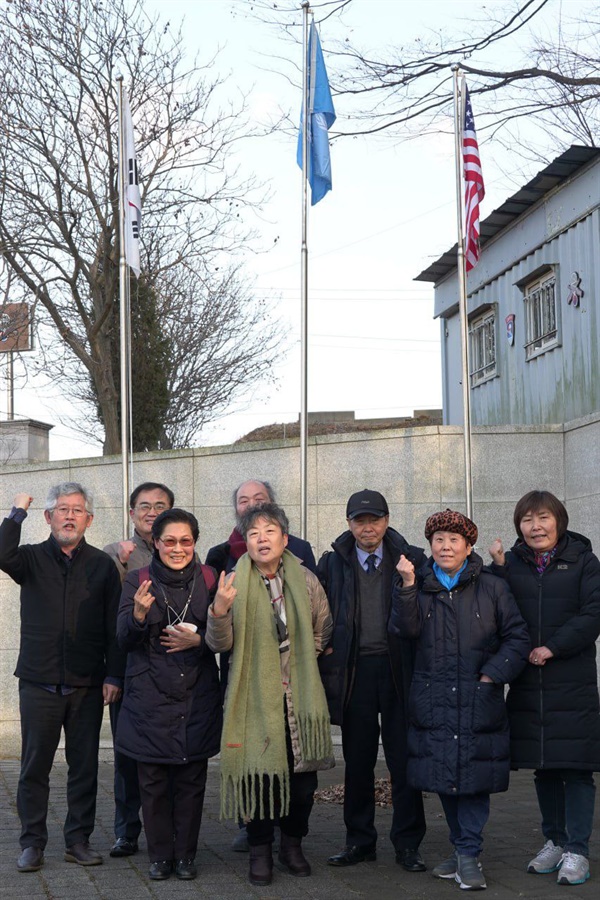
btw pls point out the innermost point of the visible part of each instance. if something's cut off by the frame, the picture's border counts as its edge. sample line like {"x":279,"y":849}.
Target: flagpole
{"x":124,"y":322}
{"x":10,"y":384}
{"x":462,"y":288}
{"x":304,"y":285}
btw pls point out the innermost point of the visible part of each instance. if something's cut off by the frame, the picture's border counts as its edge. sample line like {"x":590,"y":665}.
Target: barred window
{"x":482,"y":348}
{"x":540,"y":314}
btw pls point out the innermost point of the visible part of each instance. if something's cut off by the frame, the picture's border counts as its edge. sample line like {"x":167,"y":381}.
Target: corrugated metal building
{"x":533,"y":303}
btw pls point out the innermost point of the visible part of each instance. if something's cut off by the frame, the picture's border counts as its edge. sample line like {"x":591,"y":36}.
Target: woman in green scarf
{"x":274,"y":615}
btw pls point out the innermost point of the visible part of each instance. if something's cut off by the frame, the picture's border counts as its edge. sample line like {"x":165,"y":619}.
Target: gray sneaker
{"x":445,"y":869}
{"x":548,"y":859}
{"x":574,"y":869}
{"x":469,"y":874}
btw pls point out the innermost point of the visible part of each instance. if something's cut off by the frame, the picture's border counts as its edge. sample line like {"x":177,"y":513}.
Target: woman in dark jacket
{"x":553,"y":706}
{"x":471,"y":641}
{"x":171,"y":716}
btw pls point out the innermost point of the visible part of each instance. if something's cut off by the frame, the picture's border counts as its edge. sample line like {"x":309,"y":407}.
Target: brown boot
{"x":261,"y":865}
{"x":292,"y":857}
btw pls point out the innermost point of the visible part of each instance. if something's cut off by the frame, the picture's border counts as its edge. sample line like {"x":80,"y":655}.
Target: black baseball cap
{"x":367,"y":503}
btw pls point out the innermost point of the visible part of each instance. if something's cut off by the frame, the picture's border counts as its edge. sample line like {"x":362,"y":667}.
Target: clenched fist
{"x":126,"y":548}
{"x":496,"y":551}
{"x":406,"y":569}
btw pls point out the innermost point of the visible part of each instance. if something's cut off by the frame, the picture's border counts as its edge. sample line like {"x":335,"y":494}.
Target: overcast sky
{"x":374,"y":346}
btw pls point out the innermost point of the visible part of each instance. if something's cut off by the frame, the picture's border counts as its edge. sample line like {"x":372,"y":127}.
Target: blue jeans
{"x":466,"y":816}
{"x":566,"y":800}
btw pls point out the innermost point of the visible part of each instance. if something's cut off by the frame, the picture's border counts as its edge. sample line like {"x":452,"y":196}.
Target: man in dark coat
{"x":223,"y":558}
{"x":147,"y":501}
{"x":366,"y":675}
{"x":68,"y":667}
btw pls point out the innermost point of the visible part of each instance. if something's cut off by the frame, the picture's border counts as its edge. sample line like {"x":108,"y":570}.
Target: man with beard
{"x":67,"y":667}
{"x":223,"y":557}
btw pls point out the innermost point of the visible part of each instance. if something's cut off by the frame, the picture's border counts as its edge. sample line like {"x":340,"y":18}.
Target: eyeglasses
{"x":170,"y":543}
{"x":146,"y":507}
{"x":76,"y":511}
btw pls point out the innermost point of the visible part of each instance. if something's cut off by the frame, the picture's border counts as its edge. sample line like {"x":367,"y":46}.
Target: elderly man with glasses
{"x":68,"y":664}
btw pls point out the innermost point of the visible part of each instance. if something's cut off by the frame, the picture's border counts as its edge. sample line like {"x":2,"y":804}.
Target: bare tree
{"x":59,"y":203}
{"x":407,"y":89}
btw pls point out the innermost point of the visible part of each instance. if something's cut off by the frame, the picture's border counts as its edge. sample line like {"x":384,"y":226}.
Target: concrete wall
{"x":23,"y":440}
{"x":419,"y":470}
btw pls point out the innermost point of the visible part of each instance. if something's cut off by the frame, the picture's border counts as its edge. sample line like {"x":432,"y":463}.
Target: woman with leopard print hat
{"x":471,"y":640}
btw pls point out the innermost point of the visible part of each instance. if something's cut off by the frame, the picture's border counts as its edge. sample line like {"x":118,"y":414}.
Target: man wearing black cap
{"x":367,"y":674}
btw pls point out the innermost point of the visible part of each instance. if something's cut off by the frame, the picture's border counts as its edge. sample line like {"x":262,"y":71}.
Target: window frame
{"x":482,"y":322}
{"x":539,"y":338}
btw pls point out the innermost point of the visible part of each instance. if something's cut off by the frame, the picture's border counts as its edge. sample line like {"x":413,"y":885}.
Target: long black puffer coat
{"x":458,"y":740}
{"x":171,"y":712}
{"x":554,"y":710}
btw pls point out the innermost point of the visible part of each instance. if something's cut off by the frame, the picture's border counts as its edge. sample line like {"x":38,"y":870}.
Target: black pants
{"x":43,"y":716}
{"x":374,"y":695}
{"x":302,"y":789}
{"x":127,"y":789}
{"x":172,"y":801}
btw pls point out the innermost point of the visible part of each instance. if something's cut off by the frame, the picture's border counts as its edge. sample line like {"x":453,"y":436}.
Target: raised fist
{"x":496,"y":551}
{"x":406,"y":569}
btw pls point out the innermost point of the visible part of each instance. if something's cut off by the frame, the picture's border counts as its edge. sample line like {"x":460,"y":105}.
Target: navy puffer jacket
{"x":171,"y":712}
{"x":458,"y":740}
{"x":554,"y":709}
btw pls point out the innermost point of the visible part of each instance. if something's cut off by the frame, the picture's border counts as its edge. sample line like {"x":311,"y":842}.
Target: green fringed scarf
{"x":253,"y":742}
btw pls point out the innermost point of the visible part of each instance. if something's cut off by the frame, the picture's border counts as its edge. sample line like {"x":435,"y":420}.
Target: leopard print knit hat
{"x":449,"y":520}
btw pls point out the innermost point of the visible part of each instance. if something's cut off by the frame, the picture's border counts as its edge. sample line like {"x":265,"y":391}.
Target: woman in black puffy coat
{"x":553,"y":706}
{"x":171,"y":717}
{"x":471,"y":641}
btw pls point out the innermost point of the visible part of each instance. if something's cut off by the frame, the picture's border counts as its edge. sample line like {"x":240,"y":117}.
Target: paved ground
{"x":512,"y":838}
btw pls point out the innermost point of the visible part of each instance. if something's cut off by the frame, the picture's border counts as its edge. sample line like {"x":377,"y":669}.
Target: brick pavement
{"x":512,"y":838}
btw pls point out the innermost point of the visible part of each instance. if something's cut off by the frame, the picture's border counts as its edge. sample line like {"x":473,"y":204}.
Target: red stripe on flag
{"x":474,"y":187}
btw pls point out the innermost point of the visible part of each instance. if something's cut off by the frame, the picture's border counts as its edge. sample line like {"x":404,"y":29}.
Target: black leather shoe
{"x":31,"y":859}
{"x":350,"y":856}
{"x":186,"y":869}
{"x":83,"y":855}
{"x":160,"y":870}
{"x":124,"y":847}
{"x":411,"y":860}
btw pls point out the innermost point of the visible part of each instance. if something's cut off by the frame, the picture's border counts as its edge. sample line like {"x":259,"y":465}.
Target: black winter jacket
{"x":68,"y":611}
{"x":220,"y":559}
{"x":458,"y":740}
{"x":554,"y":709}
{"x":337,"y":573}
{"x":171,"y":710}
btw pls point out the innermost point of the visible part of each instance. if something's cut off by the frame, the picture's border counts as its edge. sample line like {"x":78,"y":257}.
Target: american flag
{"x":474,"y":188}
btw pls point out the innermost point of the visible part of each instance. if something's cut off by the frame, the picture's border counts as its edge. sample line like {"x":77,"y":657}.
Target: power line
{"x":364,"y":337}
{"x":295,"y":297}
